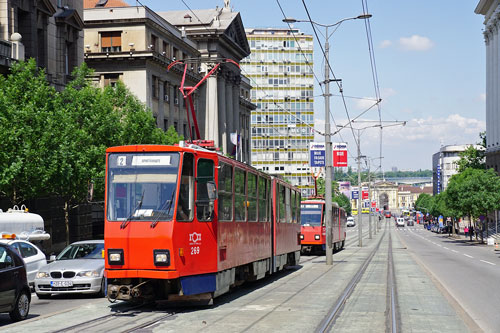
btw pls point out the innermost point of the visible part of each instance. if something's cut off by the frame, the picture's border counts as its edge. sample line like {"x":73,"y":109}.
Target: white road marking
{"x":488,"y":262}
{"x":444,"y":247}
{"x":454,"y":251}
{"x":468,"y":255}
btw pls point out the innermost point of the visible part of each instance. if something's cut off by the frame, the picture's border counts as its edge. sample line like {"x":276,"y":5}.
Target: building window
{"x":166,"y":50}
{"x":166,"y":92}
{"x":110,"y":79}
{"x":154,"y":86}
{"x":165,"y":124}
{"x":154,"y":43}
{"x":111,"y":41}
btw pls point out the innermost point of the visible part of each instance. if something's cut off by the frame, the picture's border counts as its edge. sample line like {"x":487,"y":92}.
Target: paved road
{"x":470,"y":272}
{"x":56,"y":304}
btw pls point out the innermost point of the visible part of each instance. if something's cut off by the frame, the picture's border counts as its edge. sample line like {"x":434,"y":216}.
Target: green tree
{"x":474,"y":192}
{"x":343,"y":202}
{"x":424,"y":203}
{"x":53,"y":144}
{"x":473,"y":157}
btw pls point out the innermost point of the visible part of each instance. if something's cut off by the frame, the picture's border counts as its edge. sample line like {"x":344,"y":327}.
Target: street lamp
{"x":328,"y":141}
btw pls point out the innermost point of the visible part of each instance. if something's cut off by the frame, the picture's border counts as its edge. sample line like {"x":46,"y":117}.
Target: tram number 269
{"x":195,"y":250}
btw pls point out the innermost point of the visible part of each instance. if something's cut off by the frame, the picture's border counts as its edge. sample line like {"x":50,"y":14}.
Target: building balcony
{"x":5,"y":54}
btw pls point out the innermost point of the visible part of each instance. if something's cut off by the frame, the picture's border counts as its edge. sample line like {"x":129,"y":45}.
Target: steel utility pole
{"x":360,"y":194}
{"x":328,"y":159}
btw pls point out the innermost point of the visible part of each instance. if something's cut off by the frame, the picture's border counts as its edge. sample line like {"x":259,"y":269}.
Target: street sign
{"x":374,"y":204}
{"x":317,"y":154}
{"x":339,"y":154}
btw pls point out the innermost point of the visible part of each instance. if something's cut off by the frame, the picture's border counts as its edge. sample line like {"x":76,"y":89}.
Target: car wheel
{"x":102,"y":292}
{"x":43,"y":296}
{"x":21,"y":307}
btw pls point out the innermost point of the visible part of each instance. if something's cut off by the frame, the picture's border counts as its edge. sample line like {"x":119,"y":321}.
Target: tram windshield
{"x":310,"y":214}
{"x":142,"y":186}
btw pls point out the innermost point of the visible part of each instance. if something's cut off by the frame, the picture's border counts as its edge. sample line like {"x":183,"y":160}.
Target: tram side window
{"x":185,"y":207}
{"x":269,"y":201}
{"x":205,"y":190}
{"x":282,"y":203}
{"x":225,"y":192}
{"x":288,"y":205}
{"x":239,"y":195}
{"x":252,"y":197}
{"x":263,"y":198}
{"x":294,"y":207}
{"x":299,"y":199}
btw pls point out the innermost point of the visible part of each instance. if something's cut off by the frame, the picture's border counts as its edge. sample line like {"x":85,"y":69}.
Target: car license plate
{"x":61,"y":283}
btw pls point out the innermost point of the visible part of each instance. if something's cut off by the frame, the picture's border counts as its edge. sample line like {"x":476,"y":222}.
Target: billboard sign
{"x":354,"y":193}
{"x":345,"y":188}
{"x":339,"y":154}
{"x":317,"y":154}
{"x":364,"y":193}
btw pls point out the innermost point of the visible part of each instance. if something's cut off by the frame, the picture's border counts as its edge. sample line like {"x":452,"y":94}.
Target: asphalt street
{"x":467,"y":270}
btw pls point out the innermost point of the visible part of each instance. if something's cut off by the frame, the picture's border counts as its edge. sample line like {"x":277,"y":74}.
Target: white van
{"x":350,"y":221}
{"x":400,"y":222}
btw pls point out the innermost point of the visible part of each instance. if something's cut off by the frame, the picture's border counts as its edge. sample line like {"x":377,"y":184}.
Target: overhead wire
{"x":373,"y":65}
{"x":331,"y":70}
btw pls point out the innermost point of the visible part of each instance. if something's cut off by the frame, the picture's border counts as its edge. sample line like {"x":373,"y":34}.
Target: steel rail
{"x":392,"y":291}
{"x":327,"y":322}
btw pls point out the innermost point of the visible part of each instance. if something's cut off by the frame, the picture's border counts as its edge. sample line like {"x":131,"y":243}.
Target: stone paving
{"x":297,"y":300}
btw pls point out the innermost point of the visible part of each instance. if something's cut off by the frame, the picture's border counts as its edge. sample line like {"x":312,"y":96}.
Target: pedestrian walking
{"x":466,"y":231}
{"x":471,"y":231}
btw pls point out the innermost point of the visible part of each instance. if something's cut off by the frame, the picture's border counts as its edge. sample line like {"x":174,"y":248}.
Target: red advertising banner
{"x":374,"y":204}
{"x":340,"y":154}
{"x":364,"y":193}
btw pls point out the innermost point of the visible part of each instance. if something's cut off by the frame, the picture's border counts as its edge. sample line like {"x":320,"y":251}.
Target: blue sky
{"x":430,"y":59}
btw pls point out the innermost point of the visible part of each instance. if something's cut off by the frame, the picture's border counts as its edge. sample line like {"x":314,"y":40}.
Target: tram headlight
{"x":115,"y":256}
{"x":161,"y":257}
{"x":316,"y":237}
{"x":301,"y":236}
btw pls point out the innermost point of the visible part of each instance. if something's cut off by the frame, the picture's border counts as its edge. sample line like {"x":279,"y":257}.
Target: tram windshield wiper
{"x":132,"y":213}
{"x":167,"y":202}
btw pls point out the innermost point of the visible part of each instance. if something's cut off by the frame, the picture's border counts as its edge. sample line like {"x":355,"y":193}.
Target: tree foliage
{"x":474,"y":192}
{"x":337,"y":197}
{"x":473,"y":157}
{"x":53,"y":143}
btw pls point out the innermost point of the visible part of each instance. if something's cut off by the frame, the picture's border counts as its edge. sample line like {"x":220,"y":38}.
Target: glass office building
{"x":280,"y":71}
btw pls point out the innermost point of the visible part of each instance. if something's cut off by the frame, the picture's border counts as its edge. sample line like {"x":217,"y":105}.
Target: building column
{"x":161,"y":107}
{"x":489,"y":96}
{"x":222,"y":130}
{"x":229,"y":115}
{"x":211,"y":111}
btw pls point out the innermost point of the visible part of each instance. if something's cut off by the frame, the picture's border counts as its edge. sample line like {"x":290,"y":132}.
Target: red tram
{"x":313,"y":228}
{"x":186,"y":223}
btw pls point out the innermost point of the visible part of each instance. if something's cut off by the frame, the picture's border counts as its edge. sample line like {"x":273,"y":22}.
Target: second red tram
{"x":313,"y":228}
{"x":186,"y":223}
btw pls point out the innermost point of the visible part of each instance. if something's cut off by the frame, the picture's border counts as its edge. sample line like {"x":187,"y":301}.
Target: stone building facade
{"x":219,"y":35}
{"x":491,"y":11}
{"x":135,"y":45}
{"x":50,"y":31}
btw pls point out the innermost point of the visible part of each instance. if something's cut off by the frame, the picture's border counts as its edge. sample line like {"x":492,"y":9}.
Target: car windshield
{"x":82,"y":251}
{"x":310,"y":214}
{"x":142,"y":186}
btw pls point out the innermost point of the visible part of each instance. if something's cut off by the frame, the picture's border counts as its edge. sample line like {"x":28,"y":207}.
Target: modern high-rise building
{"x":281,"y":75}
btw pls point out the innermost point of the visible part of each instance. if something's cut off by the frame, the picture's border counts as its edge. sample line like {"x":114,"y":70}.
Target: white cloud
{"x":365,"y":103}
{"x":387,"y":92}
{"x":385,"y":43}
{"x":454,"y":129}
{"x":482,"y":97}
{"x":415,"y":43}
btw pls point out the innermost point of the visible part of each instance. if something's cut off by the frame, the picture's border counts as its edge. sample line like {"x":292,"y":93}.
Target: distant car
{"x":33,"y":257}
{"x":400,"y":222}
{"x":15,"y":294}
{"x":409,"y":223}
{"x":350,"y":221}
{"x":78,"y":269}
{"x":387,"y":214}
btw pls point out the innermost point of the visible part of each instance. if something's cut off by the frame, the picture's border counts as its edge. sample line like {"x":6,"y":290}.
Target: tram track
{"x":391,"y":312}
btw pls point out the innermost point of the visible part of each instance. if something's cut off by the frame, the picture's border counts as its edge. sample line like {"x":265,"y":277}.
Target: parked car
{"x":15,"y":295}
{"x":33,"y":257}
{"x":400,"y":222}
{"x":78,"y":269}
{"x":409,"y":223}
{"x":350,"y":221}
